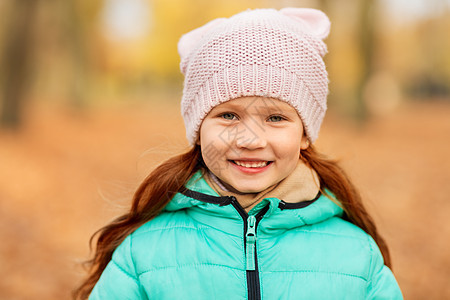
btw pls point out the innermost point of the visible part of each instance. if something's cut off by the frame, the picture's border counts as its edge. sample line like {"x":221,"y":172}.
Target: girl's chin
{"x":237,"y":189}
{"x":246,"y":189}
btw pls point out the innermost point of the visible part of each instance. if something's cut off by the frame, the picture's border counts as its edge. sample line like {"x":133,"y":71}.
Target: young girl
{"x":252,"y":210}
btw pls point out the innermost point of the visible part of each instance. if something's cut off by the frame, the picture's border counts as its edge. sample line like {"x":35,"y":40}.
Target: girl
{"x":252,"y":210}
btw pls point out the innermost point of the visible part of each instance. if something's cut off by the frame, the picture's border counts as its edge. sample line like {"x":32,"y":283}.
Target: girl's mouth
{"x":251,"y":164}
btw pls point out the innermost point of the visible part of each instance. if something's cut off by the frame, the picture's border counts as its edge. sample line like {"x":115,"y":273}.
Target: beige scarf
{"x":301,"y":185}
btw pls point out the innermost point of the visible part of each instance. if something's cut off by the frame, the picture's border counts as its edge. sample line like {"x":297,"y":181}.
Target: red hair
{"x":169,"y":178}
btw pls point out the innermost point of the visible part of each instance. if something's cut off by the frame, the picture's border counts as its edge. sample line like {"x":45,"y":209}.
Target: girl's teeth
{"x":251,"y":164}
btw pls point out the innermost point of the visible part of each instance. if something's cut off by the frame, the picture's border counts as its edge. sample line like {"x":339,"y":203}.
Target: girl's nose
{"x":251,"y":138}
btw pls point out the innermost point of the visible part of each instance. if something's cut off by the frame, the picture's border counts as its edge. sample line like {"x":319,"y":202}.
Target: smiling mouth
{"x":251,"y":164}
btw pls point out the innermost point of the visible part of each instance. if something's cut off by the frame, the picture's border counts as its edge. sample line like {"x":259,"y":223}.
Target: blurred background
{"x":89,"y":103}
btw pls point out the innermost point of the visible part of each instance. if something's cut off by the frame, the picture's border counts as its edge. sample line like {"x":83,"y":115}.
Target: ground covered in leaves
{"x":67,"y":173}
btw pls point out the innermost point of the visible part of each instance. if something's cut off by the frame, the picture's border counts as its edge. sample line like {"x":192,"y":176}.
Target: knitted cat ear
{"x":189,"y":40}
{"x":316,"y":21}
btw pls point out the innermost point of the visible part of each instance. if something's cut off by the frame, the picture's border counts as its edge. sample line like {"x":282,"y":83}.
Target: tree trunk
{"x":16,"y":61}
{"x":366,"y":37}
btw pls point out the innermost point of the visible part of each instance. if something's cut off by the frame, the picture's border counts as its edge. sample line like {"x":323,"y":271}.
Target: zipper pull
{"x":250,"y":243}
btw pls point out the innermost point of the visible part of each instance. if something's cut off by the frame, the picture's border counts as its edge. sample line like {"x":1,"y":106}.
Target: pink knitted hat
{"x":261,"y":52}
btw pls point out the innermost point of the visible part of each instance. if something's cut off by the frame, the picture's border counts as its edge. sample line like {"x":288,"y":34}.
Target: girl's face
{"x":252,"y":143}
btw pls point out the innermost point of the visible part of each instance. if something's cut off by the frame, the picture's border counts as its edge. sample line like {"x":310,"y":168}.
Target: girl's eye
{"x":228,"y":116}
{"x":275,"y":118}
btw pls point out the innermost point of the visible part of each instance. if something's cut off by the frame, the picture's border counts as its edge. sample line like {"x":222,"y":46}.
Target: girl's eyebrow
{"x":258,"y":107}
{"x":273,"y":109}
{"x":231,"y":105}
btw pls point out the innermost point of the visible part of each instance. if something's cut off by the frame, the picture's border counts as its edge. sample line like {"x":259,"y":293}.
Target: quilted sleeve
{"x":119,"y":279}
{"x":382,"y":283}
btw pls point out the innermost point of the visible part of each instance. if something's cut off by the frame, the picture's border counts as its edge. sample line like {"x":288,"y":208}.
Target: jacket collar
{"x":204,"y":204}
{"x":301,"y":185}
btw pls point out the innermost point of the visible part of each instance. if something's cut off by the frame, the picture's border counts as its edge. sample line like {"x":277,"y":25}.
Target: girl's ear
{"x":304,"y":143}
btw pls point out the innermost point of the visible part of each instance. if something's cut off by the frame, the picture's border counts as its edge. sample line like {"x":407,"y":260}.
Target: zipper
{"x":250,"y":243}
{"x":251,"y":259}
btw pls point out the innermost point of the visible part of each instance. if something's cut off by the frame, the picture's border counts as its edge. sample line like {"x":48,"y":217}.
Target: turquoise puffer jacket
{"x":207,"y":247}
